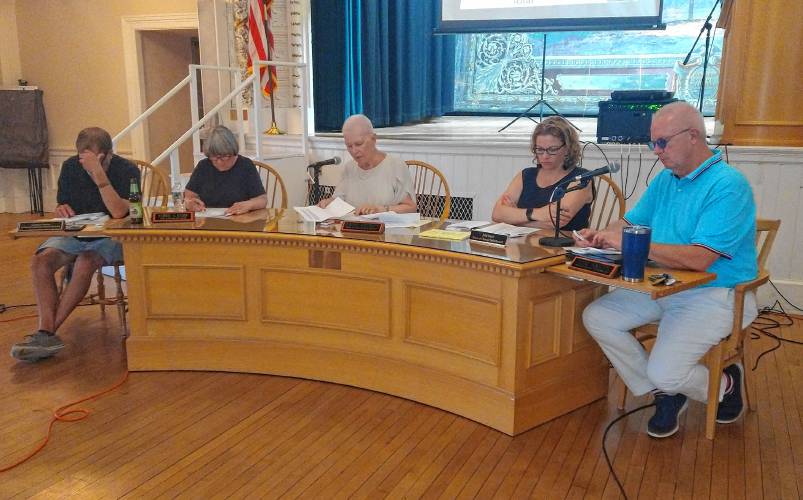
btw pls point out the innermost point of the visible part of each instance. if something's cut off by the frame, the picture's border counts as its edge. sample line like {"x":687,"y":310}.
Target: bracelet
{"x":103,"y":185}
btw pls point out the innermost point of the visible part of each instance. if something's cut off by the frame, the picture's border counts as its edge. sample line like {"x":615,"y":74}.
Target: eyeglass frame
{"x":663,"y":142}
{"x":221,"y":157}
{"x":552,"y":151}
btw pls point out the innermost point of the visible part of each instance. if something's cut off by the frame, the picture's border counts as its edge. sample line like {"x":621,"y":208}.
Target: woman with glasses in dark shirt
{"x":527,"y":201}
{"x":224,"y":179}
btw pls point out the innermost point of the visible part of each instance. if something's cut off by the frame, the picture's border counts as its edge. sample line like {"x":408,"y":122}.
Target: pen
{"x":578,"y":235}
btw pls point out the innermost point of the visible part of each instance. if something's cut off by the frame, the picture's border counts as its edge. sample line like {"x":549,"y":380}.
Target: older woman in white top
{"x":372,"y":181}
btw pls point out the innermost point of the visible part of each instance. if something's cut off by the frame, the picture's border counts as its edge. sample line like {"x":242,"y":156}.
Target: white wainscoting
{"x":481,"y":168}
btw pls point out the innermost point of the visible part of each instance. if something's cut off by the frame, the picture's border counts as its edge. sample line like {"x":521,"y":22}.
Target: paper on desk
{"x":466,"y":225}
{"x":441,"y":234}
{"x":314,"y":213}
{"x":84,"y":218}
{"x":509,"y":230}
{"x":593,"y":251}
{"x":219,"y":213}
{"x":392,"y":219}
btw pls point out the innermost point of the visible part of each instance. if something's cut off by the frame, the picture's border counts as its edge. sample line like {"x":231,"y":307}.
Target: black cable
{"x":647,"y":179}
{"x":784,"y":297}
{"x":764,"y":324}
{"x":605,"y":450}
{"x":4,"y":308}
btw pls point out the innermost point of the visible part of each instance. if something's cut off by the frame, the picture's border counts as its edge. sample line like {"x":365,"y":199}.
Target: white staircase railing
{"x":198,"y":121}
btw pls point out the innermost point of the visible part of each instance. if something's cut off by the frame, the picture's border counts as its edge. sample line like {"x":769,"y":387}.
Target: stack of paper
{"x":440,"y":234}
{"x":219,"y":213}
{"x":509,"y":230}
{"x":466,"y":225}
{"x":313,"y":213}
{"x":392,"y":219}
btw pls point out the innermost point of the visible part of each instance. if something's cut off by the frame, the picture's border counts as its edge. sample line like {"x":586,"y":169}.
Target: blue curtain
{"x":380,"y":58}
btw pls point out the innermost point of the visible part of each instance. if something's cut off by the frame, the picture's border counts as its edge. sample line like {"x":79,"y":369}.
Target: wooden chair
{"x":731,"y":349}
{"x":153,"y":184}
{"x":274,"y":185}
{"x":155,"y":193}
{"x":430,"y":185}
{"x":608,"y":201}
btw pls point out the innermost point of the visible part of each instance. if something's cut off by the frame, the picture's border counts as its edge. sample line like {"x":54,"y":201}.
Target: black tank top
{"x":534,"y":196}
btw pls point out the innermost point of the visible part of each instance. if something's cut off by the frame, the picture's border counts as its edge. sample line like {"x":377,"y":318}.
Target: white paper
{"x":466,"y":225}
{"x":219,"y":213}
{"x":85,"y":218}
{"x":314,"y":213}
{"x":592,"y":251}
{"x":509,"y":230}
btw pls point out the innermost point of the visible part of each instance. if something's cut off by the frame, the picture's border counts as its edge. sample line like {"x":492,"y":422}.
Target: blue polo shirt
{"x":711,"y":207}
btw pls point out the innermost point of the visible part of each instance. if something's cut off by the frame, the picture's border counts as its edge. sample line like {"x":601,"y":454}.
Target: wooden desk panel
{"x":496,"y":341}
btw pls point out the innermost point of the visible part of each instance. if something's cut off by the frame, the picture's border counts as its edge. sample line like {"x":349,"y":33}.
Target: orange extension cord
{"x":64,"y":415}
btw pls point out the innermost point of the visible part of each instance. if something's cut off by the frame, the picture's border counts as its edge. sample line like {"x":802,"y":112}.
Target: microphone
{"x":612,"y":168}
{"x":330,"y":161}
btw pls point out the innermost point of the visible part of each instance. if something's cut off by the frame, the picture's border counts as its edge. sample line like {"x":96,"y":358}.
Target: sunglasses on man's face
{"x":663,"y":142}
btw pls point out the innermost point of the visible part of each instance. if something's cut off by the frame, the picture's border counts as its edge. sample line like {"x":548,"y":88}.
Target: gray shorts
{"x":110,"y":250}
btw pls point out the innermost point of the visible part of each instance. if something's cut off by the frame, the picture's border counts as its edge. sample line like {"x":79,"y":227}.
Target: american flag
{"x":258,"y":31}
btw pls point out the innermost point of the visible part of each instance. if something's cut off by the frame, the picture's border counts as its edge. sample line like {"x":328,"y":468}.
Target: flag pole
{"x":274,"y":129}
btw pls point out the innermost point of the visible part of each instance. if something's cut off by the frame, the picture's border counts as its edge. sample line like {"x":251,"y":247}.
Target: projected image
{"x":512,"y":4}
{"x":501,"y":72}
{"x":511,"y":15}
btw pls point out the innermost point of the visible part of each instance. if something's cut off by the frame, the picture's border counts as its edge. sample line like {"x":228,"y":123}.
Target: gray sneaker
{"x":39,"y":345}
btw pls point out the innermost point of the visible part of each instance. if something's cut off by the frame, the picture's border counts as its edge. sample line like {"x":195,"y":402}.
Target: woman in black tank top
{"x":526,"y":201}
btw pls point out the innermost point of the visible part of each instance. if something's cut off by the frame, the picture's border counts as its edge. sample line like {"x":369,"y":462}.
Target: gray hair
{"x":221,"y":142}
{"x":360,"y":124}
{"x":684,"y":114}
{"x":93,"y":136}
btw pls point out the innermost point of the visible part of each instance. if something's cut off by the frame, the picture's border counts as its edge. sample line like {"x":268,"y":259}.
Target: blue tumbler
{"x":635,"y":250}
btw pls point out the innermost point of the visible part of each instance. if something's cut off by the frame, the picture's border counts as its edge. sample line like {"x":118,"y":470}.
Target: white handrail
{"x":172,"y":150}
{"x":174,"y":173}
{"x":148,"y":112}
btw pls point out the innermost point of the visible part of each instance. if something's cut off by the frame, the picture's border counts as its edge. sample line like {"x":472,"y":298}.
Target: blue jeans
{"x":690,"y":323}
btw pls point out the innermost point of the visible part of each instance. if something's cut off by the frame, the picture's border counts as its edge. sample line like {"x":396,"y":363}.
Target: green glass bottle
{"x":134,"y":202}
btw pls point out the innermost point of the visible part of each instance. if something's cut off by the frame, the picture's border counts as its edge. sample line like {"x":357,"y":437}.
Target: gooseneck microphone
{"x":612,"y":168}
{"x":330,"y":161}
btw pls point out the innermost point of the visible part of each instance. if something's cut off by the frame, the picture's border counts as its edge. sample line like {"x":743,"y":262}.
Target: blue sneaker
{"x":668,"y":409}
{"x":732,"y":406}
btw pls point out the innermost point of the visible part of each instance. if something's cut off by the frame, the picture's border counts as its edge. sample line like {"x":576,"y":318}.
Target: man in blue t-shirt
{"x":95,"y":180}
{"x":702,"y":215}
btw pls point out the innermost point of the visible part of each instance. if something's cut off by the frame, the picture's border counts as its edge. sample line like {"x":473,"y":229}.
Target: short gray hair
{"x":221,"y":142}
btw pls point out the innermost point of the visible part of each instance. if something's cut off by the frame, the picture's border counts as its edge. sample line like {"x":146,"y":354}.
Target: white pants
{"x":690,"y":322}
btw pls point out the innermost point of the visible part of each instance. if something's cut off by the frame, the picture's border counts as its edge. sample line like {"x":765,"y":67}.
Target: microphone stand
{"x":541,"y":101}
{"x":557,"y":240}
{"x":707,"y":29}
{"x":315,"y":197}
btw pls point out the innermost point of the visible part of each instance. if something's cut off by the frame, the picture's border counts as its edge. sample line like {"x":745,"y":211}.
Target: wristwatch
{"x":529,"y":214}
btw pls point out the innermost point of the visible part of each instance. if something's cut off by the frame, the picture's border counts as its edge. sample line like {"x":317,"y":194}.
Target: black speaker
{"x":626,"y":122}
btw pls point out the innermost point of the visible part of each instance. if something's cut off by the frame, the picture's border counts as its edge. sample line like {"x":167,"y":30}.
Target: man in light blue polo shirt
{"x":702,"y":215}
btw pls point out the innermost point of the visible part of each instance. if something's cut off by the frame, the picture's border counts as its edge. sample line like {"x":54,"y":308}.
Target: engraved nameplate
{"x":42,"y":225}
{"x":157,"y":217}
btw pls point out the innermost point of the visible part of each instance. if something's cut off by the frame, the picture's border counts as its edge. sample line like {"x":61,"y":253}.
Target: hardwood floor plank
{"x":557,"y":459}
{"x":227,"y":435}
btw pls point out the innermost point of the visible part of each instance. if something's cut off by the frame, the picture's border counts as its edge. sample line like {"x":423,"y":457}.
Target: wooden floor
{"x":209,"y":435}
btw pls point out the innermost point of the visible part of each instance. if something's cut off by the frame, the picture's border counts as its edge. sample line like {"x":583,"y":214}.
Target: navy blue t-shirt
{"x":223,"y":189}
{"x":534,"y":196}
{"x":79,"y":191}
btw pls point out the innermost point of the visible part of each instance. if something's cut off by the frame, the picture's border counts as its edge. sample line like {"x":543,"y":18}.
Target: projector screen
{"x":473,"y":16}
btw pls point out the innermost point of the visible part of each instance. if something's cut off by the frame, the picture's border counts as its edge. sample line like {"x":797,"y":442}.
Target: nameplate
{"x":358,"y":226}
{"x":42,"y":225}
{"x":598,"y":266}
{"x":157,"y":217}
{"x":488,"y":238}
